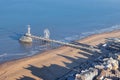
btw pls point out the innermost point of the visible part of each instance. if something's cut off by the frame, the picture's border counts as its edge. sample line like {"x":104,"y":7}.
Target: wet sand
{"x":53,"y":64}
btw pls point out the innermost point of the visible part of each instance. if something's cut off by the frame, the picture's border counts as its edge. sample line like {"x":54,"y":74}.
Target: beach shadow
{"x":76,"y":63}
{"x":80,"y":44}
{"x":88,"y":55}
{"x":85,"y":47}
{"x":47,"y":72}
{"x":57,"y":72}
{"x":25,"y":78}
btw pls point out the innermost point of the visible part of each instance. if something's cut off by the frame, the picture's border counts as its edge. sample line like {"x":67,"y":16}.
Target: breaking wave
{"x":85,"y":34}
{"x":2,"y":55}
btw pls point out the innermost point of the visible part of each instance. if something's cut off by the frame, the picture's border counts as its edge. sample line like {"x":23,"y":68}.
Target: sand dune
{"x":53,"y":64}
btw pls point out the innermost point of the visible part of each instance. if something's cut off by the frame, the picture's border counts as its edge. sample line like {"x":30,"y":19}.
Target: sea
{"x":67,"y":20}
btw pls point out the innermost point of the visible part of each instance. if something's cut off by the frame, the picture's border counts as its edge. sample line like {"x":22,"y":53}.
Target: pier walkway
{"x":28,"y":38}
{"x":55,"y":41}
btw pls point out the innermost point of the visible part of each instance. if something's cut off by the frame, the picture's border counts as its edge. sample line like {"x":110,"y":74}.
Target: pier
{"x":28,"y":38}
{"x":55,"y":41}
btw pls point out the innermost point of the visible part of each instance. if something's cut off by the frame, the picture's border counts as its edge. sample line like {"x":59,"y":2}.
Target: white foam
{"x":17,"y":54}
{"x":115,"y":27}
{"x":74,"y":37}
{"x":32,"y":53}
{"x":85,"y":34}
{"x":2,"y":55}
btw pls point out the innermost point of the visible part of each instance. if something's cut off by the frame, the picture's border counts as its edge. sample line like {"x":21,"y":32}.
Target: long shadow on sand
{"x":26,"y":78}
{"x":51,"y":72}
{"x":54,"y":71}
{"x":57,"y":72}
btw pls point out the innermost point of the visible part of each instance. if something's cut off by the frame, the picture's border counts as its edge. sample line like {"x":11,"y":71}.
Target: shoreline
{"x":38,"y":53}
{"x":107,"y":32}
{"x":61,"y":59}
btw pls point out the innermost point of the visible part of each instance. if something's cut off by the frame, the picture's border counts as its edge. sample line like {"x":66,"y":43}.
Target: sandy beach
{"x":52,"y":64}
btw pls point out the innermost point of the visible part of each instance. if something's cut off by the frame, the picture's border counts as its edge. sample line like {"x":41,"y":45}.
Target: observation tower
{"x":27,"y":37}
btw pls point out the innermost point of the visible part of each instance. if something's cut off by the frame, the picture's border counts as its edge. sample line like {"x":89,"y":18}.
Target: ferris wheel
{"x":46,"y":34}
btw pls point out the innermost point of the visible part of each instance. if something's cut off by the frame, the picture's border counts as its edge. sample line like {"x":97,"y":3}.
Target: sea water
{"x":67,"y":20}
